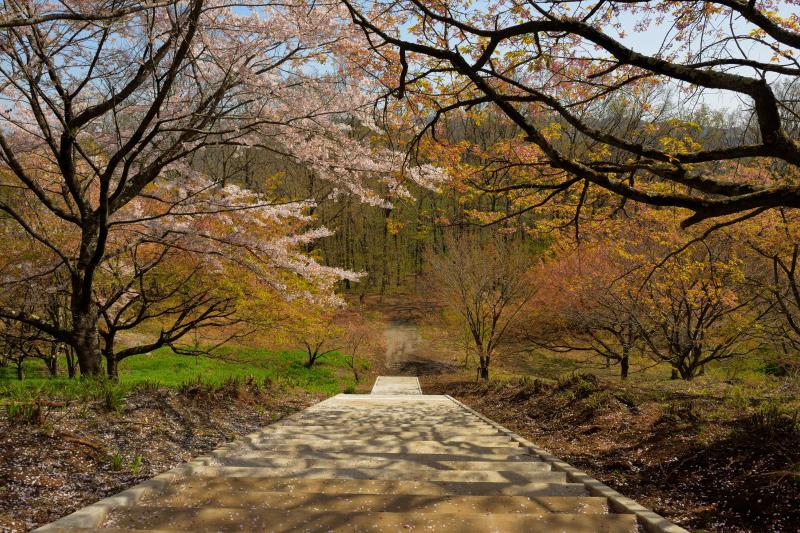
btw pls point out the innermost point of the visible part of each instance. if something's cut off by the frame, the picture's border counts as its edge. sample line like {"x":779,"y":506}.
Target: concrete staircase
{"x":393,"y":460}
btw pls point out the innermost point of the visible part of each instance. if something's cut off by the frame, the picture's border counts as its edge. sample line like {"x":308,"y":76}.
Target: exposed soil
{"x":421,"y":367}
{"x":681,"y":458}
{"x":52,"y":467}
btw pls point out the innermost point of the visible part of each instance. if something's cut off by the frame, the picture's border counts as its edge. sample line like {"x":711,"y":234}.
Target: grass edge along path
{"x":164,"y":368}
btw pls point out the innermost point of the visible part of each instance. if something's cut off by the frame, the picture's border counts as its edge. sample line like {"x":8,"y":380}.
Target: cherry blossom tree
{"x":564,"y":73}
{"x":103,"y":107}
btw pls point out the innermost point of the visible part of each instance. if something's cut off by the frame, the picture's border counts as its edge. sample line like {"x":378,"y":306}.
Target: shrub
{"x":582,"y":385}
{"x":30,"y":412}
{"x":774,"y":368}
{"x":24,"y":413}
{"x":136,"y":465}
{"x":113,"y":396}
{"x":116,"y":462}
{"x":772,"y":421}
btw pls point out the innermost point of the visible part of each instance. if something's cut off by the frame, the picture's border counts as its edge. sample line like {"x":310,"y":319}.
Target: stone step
{"x":409,"y":447}
{"x":373,"y":503}
{"x":380,"y":440}
{"x":407,"y":410}
{"x":486,"y":442}
{"x":404,"y":410}
{"x":216,"y":485}
{"x":420,"y":432}
{"x":385,"y":402}
{"x":223,"y":519}
{"x":417,"y":413}
{"x":395,"y":460}
{"x":504,"y":476}
{"x":417,"y":457}
{"x":378,"y":423}
{"x":396,"y":385}
{"x":255,"y":459}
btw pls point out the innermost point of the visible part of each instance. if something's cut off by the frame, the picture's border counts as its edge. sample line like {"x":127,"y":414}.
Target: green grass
{"x":163,"y":367}
{"x":739,"y":384}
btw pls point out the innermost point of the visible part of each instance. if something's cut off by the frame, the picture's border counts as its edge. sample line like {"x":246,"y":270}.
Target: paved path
{"x":396,"y":385}
{"x":393,"y":460}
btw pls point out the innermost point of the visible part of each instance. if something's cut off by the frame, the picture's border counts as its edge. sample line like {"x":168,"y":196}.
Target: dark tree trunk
{"x":52,"y":365}
{"x":69,"y":353}
{"x":20,"y":371}
{"x":85,"y":315}
{"x":690,"y":366}
{"x":385,"y":255}
{"x":86,"y":342}
{"x":312,"y":358}
{"x":686,"y":372}
{"x":112,"y":368}
{"x":624,"y":363}
{"x":397,"y":260}
{"x":112,"y":363}
{"x":483,"y":371}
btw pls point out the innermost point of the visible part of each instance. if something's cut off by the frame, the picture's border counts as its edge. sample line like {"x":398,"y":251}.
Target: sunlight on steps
{"x":392,"y":460}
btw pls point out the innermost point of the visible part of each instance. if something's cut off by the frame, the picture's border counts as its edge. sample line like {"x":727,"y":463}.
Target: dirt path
{"x":403,"y":340}
{"x":405,"y":350}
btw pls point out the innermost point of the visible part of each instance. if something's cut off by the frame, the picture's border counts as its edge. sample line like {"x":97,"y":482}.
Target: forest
{"x":587,"y":208}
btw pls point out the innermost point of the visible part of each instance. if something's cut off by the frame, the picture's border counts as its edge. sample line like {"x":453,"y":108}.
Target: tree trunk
{"x":312,"y":358}
{"x":52,"y":365}
{"x":686,"y":372}
{"x":483,"y":371}
{"x":86,"y":342}
{"x":624,"y":363}
{"x":112,"y":366}
{"x":69,"y":353}
{"x":112,"y":363}
{"x":20,"y":371}
{"x":385,"y":255}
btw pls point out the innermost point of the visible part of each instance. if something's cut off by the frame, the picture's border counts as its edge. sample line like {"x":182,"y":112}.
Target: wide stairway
{"x":393,"y":460}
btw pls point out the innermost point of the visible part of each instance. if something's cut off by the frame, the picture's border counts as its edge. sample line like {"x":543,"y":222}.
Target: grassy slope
{"x":329,"y":376}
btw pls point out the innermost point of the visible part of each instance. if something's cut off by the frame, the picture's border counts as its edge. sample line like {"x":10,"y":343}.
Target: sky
{"x":650,"y":41}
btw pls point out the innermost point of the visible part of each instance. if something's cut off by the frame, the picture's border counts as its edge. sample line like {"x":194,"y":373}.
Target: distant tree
{"x":775,"y":272}
{"x":167,"y":289}
{"x":695,"y":305}
{"x":316,"y":331}
{"x":585,"y":303}
{"x":358,"y":339}
{"x":483,"y":280}
{"x":21,"y":341}
{"x":635,"y":286}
